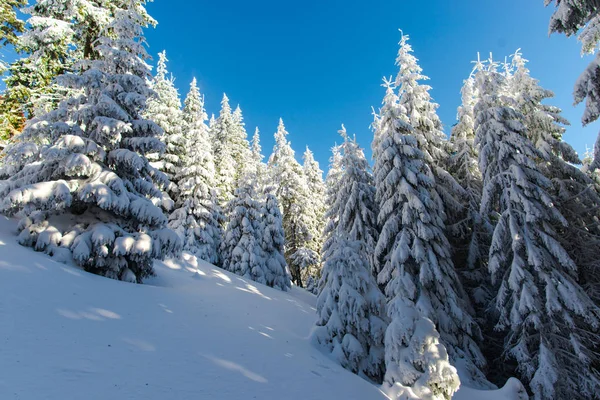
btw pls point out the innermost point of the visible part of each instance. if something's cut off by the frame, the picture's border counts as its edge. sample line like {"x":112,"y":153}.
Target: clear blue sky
{"x":318,"y":63}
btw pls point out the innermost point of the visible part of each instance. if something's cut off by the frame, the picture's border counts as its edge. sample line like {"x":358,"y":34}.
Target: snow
{"x":192,"y":332}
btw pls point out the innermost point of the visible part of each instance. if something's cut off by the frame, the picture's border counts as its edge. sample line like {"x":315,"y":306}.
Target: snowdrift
{"x":193,"y":332}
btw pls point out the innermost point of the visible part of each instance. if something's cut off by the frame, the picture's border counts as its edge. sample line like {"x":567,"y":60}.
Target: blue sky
{"x":317,"y":64}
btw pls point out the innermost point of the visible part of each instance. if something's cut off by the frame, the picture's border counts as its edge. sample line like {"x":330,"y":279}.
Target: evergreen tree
{"x":164,"y":108}
{"x":84,"y":163}
{"x":59,"y":34}
{"x":331,"y":183}
{"x":549,"y":321}
{"x":569,"y":17}
{"x":10,"y":24}
{"x":225,"y":163}
{"x":415,"y":264}
{"x":315,"y":210}
{"x":470,"y":235}
{"x":258,"y":166}
{"x":197,"y":217}
{"x":350,"y":307}
{"x":422,"y":115}
{"x":272,"y":242}
{"x":241,"y":248}
{"x":572,"y":191}
{"x":291,"y":190}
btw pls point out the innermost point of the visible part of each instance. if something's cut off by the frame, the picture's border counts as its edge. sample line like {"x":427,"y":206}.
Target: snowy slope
{"x":67,"y":334}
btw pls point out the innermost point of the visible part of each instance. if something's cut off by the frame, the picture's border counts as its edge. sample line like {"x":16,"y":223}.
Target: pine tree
{"x":291,"y":190}
{"x":258,"y":167}
{"x":225,"y":163}
{"x":241,"y":248}
{"x":272,"y":242}
{"x":422,"y":116}
{"x":331,"y":183}
{"x":470,"y":235}
{"x":415,"y":265}
{"x":10,"y":24}
{"x":60,"y":33}
{"x":315,"y":210}
{"x":84,"y":163}
{"x":164,"y":108}
{"x":550,"y":322}
{"x":197,"y":217}
{"x":351,"y":317}
{"x":569,"y":17}
{"x":573,"y":191}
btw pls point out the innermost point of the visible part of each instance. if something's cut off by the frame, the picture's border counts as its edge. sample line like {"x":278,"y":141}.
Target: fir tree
{"x":422,"y":115}
{"x":241,"y":248}
{"x":549,"y":321}
{"x":10,"y":24}
{"x":470,"y":235}
{"x":412,"y":238}
{"x":60,"y":33}
{"x":84,"y":162}
{"x":197,"y":217}
{"x":415,"y":263}
{"x":569,"y":17}
{"x":225,"y":163}
{"x":292,"y":192}
{"x":351,"y":318}
{"x":573,"y":191}
{"x":258,"y":167}
{"x":331,"y":183}
{"x":272,"y":241}
{"x":315,"y":210}
{"x":164,"y":108}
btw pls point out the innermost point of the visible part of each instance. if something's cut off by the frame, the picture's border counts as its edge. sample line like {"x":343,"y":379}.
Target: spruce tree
{"x":258,"y":167}
{"x":10,"y":24}
{"x":415,"y":264}
{"x":241,"y":248}
{"x":84,"y":163}
{"x":573,"y":191}
{"x":549,"y":322}
{"x":569,"y":18}
{"x":60,"y":33}
{"x":197,"y":217}
{"x":422,"y":115}
{"x":272,"y":241}
{"x":291,"y":190}
{"x":351,"y":319}
{"x":331,"y":183}
{"x":315,"y":210}
{"x":225,"y":162}
{"x":164,"y":108}
{"x":470,"y":235}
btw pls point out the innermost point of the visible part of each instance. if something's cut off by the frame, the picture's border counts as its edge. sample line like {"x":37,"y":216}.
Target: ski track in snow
{"x":193,"y":332}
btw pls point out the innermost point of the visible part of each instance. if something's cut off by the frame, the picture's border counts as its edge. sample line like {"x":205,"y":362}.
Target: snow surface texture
{"x":193,"y":332}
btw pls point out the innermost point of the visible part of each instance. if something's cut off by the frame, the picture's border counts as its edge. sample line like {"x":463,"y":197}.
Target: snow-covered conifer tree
{"x":550,"y":323}
{"x":225,"y":164}
{"x":422,"y":115}
{"x":571,"y":17}
{"x":241,"y":248}
{"x":78,"y":174}
{"x":291,"y":190}
{"x":573,"y":192}
{"x":315,"y":210}
{"x":258,"y":166}
{"x":10,"y":25}
{"x":351,"y":319}
{"x":415,"y":265}
{"x":272,"y":241}
{"x":470,"y":235}
{"x":331,"y":189}
{"x":197,"y":217}
{"x":164,"y":108}
{"x":413,"y":255}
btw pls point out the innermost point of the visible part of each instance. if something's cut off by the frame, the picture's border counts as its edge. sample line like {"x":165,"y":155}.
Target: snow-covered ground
{"x":193,"y":332}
